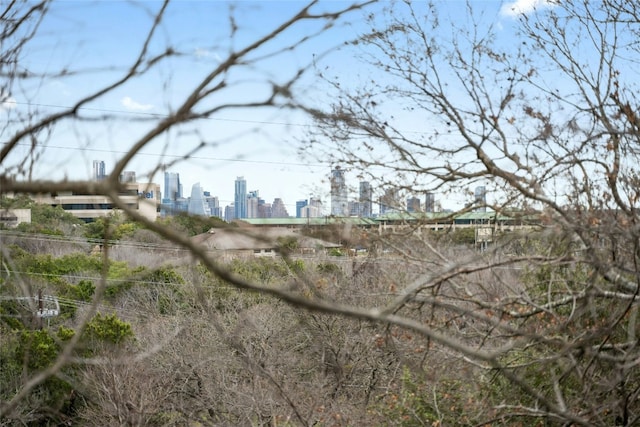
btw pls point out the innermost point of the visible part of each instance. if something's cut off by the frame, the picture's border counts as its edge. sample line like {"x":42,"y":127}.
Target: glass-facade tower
{"x":240,"y":198}
{"x":480,"y":198}
{"x":172,"y":187}
{"x":197,"y":202}
{"x":99,"y":170}
{"x":339,"y":202}
{"x":366,"y":199}
{"x":430,"y":202}
{"x":300,"y":204}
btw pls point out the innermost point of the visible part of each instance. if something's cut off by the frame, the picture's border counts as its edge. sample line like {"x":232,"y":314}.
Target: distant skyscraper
{"x":313,"y":209}
{"x":413,"y":204}
{"x":366,"y":200}
{"x":214,"y":204}
{"x":389,"y":201}
{"x":172,"y":187}
{"x":278,"y":209}
{"x":197,"y":204}
{"x":240,"y":198}
{"x":430,"y":202}
{"x":300,"y":204}
{"x":480,"y":198}
{"x":355,"y":208}
{"x":264,"y":209}
{"x":128,"y":176}
{"x":99,"y":170}
{"x":339,"y":202}
{"x":253,"y":202}
{"x":229,"y":213}
{"x":316,"y":203}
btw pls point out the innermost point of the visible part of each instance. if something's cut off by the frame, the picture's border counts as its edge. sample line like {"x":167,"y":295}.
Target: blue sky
{"x":102,"y":38}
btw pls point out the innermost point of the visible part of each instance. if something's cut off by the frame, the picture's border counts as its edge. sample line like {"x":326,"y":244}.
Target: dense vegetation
{"x":211,"y":354}
{"x":129,"y":321}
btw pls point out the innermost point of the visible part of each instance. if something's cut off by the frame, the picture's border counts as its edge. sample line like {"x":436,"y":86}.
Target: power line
{"x":163,"y":115}
{"x":177,"y":156}
{"x":79,"y":240}
{"x":220,"y":119}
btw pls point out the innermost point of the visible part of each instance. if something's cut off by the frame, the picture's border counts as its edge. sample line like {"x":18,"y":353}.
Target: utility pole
{"x":40,"y":308}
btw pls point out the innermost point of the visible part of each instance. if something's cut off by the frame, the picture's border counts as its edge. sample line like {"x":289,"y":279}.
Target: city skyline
{"x":345,"y":200}
{"x":263,"y":145}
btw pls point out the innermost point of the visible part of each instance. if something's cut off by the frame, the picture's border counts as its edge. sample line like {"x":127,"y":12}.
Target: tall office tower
{"x":213,"y":203}
{"x":313,"y":209}
{"x":264,"y":209}
{"x":278,"y":209}
{"x":99,"y":170}
{"x":366,"y":200}
{"x":300,"y":204}
{"x":128,"y":176}
{"x":355,"y":208}
{"x":172,"y":187}
{"x":339,"y":202}
{"x":240,"y":198}
{"x":389,"y":201}
{"x":197,"y":204}
{"x":253,"y":201}
{"x":315,"y":202}
{"x":413,"y":204}
{"x":480,"y":198}
{"x":430,"y":202}
{"x":229,"y":212}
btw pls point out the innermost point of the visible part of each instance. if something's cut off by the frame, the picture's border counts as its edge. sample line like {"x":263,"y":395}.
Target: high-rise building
{"x":300,"y":204}
{"x":240,"y":198}
{"x":315,"y":202}
{"x":128,"y":176}
{"x":389,"y":201}
{"x":214,"y":204}
{"x":172,"y":187}
{"x":172,"y":199}
{"x":366,"y":200}
{"x":99,"y":170}
{"x":313,"y":209}
{"x":229,"y":212}
{"x":413,"y":204}
{"x":253,"y":202}
{"x":355,"y":208}
{"x":197,"y":204}
{"x":339,"y":202}
{"x":430,"y":202}
{"x":264,"y":209}
{"x":278,"y":209}
{"x":480,"y":198}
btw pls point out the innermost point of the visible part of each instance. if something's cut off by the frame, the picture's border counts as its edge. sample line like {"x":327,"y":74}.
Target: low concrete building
{"x":10,"y":218}
{"x":262,"y":241}
{"x":142,"y":197}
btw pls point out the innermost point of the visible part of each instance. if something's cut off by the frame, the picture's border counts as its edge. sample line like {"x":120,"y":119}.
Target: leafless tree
{"x":542,"y":327}
{"x":546,"y":121}
{"x":33,"y":127}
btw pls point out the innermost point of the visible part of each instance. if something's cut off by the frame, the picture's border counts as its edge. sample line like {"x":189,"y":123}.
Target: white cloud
{"x":7,"y":102}
{"x":130,"y":104}
{"x":201,"y":53}
{"x":523,"y":7}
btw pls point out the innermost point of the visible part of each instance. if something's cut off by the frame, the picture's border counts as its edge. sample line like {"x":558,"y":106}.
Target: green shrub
{"x":192,"y":224}
{"x":108,"y":328}
{"x":418,"y":402}
{"x":264,"y":270}
{"x":329,"y":268}
{"x":112,"y":227}
{"x":45,"y":219}
{"x":335,"y":252}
